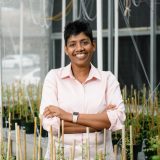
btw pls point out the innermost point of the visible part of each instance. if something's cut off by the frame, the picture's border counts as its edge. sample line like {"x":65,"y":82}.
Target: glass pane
{"x":25,"y":41}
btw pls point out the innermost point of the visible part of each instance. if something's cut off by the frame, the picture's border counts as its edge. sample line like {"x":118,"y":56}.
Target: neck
{"x":81,"y":73}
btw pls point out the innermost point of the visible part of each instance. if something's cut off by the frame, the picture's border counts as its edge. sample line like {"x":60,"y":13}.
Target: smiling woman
{"x":69,"y":95}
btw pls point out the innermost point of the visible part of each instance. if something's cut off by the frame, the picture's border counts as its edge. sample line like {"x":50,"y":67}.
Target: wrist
{"x":67,"y":116}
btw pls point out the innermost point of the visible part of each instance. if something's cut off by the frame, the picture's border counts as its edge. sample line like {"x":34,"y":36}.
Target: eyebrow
{"x":72,"y":41}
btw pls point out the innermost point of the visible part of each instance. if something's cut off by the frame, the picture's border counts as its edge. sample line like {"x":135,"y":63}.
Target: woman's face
{"x":79,"y":49}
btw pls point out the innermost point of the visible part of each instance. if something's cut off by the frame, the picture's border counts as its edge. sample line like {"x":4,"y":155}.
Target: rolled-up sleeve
{"x":49,"y":97}
{"x":113,"y":96}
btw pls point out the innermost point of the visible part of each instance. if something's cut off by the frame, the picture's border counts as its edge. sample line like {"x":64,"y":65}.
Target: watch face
{"x":75,"y":117}
{"x":75,"y":113}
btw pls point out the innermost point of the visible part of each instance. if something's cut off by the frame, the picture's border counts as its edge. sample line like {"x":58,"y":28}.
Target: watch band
{"x":75,"y":117}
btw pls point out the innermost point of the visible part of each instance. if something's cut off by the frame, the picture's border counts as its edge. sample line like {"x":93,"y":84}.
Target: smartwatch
{"x":75,"y":117}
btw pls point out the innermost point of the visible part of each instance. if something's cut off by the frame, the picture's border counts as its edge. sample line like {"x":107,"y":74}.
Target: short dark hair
{"x":76,"y":27}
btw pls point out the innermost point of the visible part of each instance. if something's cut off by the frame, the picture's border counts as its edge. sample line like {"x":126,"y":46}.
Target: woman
{"x":82,"y":96}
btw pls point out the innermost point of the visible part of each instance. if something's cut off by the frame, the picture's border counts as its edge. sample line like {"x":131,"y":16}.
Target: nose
{"x":79,"y":47}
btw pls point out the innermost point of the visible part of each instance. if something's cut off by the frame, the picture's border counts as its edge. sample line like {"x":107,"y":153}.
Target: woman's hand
{"x":54,"y":111}
{"x":111,"y":107}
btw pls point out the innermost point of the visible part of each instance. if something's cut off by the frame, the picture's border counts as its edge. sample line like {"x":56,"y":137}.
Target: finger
{"x":109,"y":106}
{"x":112,"y":106}
{"x":46,"y":113}
{"x":51,"y":109}
{"x":46,"y":109}
{"x":50,"y":116}
{"x":55,"y":114}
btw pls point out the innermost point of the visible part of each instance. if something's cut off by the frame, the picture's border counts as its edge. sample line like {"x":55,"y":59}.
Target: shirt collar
{"x":67,"y":72}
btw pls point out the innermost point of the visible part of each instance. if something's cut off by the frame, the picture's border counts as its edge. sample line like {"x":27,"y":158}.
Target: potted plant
{"x":152,"y":148}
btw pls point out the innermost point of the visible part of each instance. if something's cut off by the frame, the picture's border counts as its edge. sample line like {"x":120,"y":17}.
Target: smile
{"x":81,"y":56}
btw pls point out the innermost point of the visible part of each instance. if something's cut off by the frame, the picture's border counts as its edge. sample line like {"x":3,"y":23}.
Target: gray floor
{"x":141,"y":156}
{"x":30,"y":139}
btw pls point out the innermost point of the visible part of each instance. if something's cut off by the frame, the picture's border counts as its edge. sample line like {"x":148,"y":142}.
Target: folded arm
{"x":95,"y":122}
{"x":70,"y":127}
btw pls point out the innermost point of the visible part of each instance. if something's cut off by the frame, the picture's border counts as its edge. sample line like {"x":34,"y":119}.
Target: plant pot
{"x":4,"y":121}
{"x":135,"y":151}
{"x":16,"y":115}
{"x":13,"y":121}
{"x":149,"y":151}
{"x":116,"y":137}
{"x":115,"y":141}
{"x":44,"y":132}
{"x":29,"y":127}
{"x":149,"y":154}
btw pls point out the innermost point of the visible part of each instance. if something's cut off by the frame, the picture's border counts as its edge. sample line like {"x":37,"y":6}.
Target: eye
{"x":71,"y":45}
{"x":85,"y":42}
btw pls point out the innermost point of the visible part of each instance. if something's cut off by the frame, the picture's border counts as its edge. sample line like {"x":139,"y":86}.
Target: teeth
{"x":80,"y":55}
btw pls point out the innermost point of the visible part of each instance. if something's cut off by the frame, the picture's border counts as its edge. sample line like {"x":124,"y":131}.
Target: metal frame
{"x":99,"y":35}
{"x":153,"y":25}
{"x":62,"y":39}
{"x":151,"y":31}
{"x":116,"y":36}
{"x":110,"y":35}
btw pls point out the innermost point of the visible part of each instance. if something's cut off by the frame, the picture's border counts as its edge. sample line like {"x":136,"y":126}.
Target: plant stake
{"x":87,"y":144}
{"x":51,"y":143}
{"x":62,"y":139}
{"x":104,"y":150}
{"x":35,"y":137}
{"x":24,"y":137}
{"x":39,"y":140}
{"x":123,"y":143}
{"x":9,"y":138}
{"x":131,"y":144}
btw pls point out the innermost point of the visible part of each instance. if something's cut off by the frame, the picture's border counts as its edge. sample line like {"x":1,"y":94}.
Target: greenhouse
{"x":79,"y":80}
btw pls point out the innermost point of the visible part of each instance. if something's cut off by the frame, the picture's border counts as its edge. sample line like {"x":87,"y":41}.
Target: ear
{"x":65,"y":49}
{"x":94,"y":45}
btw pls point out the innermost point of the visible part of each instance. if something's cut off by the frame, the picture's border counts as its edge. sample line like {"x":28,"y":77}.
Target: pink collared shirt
{"x":100,"y":89}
